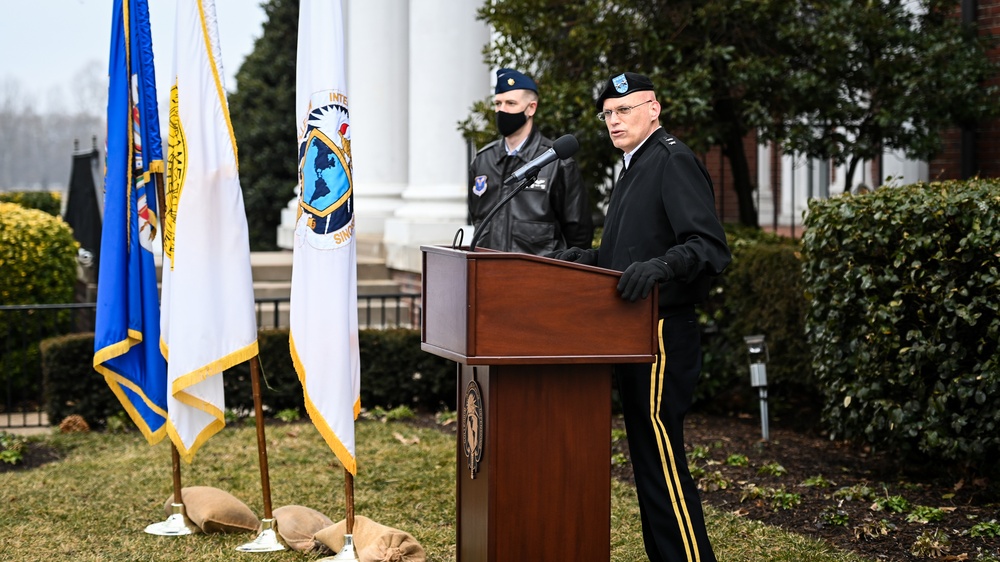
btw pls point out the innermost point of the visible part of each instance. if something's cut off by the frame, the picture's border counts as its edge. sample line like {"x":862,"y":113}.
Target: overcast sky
{"x":44,"y":44}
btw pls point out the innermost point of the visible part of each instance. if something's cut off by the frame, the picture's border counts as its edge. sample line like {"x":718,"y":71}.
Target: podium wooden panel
{"x":539,"y":338}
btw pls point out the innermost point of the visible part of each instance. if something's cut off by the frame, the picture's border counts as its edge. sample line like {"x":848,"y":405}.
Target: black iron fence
{"x":24,"y":327}
{"x":375,"y":311}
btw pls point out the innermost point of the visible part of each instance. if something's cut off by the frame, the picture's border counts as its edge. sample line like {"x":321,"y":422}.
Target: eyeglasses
{"x":622,"y":111}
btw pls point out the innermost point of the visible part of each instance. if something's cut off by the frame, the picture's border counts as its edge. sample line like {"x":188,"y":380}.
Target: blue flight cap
{"x":509,"y":79}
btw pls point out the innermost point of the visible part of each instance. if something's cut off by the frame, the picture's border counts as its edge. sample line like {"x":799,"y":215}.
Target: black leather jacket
{"x":551,"y":214}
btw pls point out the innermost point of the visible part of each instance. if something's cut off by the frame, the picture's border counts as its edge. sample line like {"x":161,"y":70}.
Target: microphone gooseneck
{"x":563,"y":148}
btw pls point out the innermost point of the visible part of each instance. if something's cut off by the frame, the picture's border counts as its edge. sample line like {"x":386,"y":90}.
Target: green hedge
{"x":72,"y":386}
{"x":394,"y":372}
{"x":48,"y":202}
{"x":905,"y":317}
{"x":37,"y":266}
{"x":401,"y":374}
{"x":759,"y":293}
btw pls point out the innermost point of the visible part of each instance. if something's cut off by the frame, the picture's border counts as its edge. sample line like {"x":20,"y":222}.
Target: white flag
{"x":207,"y":310}
{"x":324,"y":312}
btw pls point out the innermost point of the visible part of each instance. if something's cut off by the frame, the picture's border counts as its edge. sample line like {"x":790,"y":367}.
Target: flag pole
{"x":267,"y":540}
{"x":134,"y":150}
{"x":161,"y":206}
{"x":176,"y":456}
{"x":349,"y":494}
{"x":174,"y":526}
{"x":258,"y":409}
{"x":348,"y":552}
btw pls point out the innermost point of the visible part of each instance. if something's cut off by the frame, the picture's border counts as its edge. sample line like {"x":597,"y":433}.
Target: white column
{"x":377,"y":47}
{"x":446,"y":75}
{"x":794,"y":185}
{"x":377,"y":81}
{"x":765,"y":192}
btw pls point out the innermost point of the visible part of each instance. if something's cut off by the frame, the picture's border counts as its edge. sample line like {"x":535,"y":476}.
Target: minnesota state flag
{"x":324,"y":314}
{"x":127,"y":328}
{"x":208,"y":322}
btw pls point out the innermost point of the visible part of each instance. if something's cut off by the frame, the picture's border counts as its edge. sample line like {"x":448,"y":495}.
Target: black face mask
{"x":508,"y":123}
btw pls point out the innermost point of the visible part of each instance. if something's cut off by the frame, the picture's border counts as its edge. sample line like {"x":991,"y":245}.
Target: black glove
{"x":639,"y":278}
{"x":577,"y":255}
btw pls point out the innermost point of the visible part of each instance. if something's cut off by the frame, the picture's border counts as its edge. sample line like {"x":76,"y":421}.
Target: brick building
{"x":973,"y":150}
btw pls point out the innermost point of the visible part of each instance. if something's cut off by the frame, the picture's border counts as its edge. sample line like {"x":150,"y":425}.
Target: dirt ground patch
{"x":847,"y":496}
{"x":853,"y":499}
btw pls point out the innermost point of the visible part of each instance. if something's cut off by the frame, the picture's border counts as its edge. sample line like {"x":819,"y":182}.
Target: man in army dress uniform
{"x":661,"y":228}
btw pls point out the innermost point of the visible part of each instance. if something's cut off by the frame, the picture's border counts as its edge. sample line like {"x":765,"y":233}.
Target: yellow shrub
{"x":37,"y":257}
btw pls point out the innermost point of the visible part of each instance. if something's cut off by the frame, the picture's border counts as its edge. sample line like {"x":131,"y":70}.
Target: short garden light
{"x":758,"y":375}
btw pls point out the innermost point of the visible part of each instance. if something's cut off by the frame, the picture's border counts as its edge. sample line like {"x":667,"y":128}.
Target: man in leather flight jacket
{"x":551,"y":214}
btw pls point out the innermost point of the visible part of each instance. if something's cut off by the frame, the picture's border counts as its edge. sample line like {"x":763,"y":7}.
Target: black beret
{"x":509,"y":79}
{"x":622,"y":85}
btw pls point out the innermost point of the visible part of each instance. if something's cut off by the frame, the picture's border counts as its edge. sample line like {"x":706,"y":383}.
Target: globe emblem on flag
{"x":325,"y":170}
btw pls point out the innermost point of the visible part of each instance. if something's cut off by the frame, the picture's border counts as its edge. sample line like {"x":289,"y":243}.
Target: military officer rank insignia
{"x":539,"y":185}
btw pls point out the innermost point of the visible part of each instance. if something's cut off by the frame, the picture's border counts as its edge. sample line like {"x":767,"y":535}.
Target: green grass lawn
{"x":95,"y":502}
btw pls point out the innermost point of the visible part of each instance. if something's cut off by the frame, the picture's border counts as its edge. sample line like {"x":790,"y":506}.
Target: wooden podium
{"x":535,"y":340}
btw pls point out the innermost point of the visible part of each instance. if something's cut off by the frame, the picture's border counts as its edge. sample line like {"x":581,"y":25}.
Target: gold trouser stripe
{"x":667,"y":452}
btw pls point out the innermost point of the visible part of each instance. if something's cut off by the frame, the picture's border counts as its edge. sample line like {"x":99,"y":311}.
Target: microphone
{"x":563,"y":147}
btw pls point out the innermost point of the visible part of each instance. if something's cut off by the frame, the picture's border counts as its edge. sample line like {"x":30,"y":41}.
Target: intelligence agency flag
{"x":208,"y":322}
{"x":127,"y":328}
{"x":324,"y":314}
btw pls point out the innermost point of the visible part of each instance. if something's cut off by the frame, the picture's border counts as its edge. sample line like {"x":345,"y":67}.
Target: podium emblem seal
{"x":473,"y":431}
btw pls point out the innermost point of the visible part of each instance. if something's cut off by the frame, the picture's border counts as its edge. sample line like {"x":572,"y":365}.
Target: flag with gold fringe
{"x":127,"y":328}
{"x":208,"y":322}
{"x":324,"y":314}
